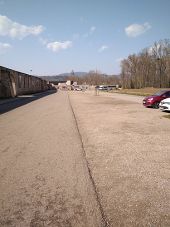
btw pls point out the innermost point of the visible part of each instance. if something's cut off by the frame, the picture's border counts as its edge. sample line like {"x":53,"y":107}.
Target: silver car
{"x":165,"y":105}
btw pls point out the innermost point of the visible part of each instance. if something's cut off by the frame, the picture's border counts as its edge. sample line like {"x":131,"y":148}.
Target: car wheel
{"x":156,"y":105}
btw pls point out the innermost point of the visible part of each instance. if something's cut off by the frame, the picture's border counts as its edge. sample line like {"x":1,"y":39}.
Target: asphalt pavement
{"x":44,"y":177}
{"x":80,"y":159}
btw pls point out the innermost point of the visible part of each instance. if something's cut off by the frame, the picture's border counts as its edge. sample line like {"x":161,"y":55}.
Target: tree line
{"x":95,"y":78}
{"x":149,"y":68}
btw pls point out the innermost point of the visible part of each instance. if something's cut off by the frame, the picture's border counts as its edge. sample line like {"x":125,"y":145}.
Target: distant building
{"x":65,"y":85}
{"x":68,"y":83}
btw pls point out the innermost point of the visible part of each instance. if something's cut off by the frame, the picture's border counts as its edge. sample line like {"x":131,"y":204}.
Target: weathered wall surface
{"x":13,"y":83}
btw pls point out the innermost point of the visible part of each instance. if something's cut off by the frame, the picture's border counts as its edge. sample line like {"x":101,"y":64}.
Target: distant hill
{"x":62,"y":76}
{"x":54,"y":78}
{"x":75,"y":73}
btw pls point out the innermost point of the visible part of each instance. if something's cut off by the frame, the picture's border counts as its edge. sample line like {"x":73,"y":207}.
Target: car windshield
{"x":159,"y":93}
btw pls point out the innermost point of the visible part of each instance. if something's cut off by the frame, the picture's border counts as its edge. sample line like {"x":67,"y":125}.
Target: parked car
{"x":165,"y":105}
{"x":155,"y":99}
{"x":102,"y":88}
{"x":77,"y":88}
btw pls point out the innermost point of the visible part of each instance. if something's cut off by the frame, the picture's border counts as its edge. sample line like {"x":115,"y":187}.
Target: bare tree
{"x":151,"y":67}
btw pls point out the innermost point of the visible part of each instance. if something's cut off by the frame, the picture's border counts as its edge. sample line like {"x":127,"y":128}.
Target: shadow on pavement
{"x":13,"y":103}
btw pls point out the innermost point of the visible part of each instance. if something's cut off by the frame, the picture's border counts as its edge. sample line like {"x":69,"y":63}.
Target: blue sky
{"x":48,"y":37}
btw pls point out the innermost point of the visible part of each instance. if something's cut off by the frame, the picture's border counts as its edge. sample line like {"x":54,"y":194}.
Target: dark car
{"x":155,"y":99}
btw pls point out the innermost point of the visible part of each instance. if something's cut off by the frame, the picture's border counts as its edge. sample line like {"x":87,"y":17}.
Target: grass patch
{"x":141,"y":92}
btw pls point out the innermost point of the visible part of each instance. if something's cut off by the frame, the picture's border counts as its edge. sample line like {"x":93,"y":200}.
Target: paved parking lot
{"x":76,"y":159}
{"x":127,"y":147}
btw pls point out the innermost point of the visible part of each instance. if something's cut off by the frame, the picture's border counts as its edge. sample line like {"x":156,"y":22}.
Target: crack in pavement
{"x":103,"y":215}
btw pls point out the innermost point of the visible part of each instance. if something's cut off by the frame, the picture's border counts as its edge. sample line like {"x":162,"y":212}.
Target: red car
{"x":154,"y":100}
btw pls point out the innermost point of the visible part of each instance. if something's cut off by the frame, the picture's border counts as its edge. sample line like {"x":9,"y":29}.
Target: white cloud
{"x":135,"y":30}
{"x":57,"y":46}
{"x":4,"y":47}
{"x":152,"y":49}
{"x":16,"y":30}
{"x":92,"y":29}
{"x":103,"y":48}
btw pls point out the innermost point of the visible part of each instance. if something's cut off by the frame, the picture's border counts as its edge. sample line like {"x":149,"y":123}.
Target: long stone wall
{"x":14,"y":83}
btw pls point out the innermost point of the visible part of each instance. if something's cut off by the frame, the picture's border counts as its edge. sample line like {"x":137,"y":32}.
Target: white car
{"x":165,"y":105}
{"x":77,"y":88}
